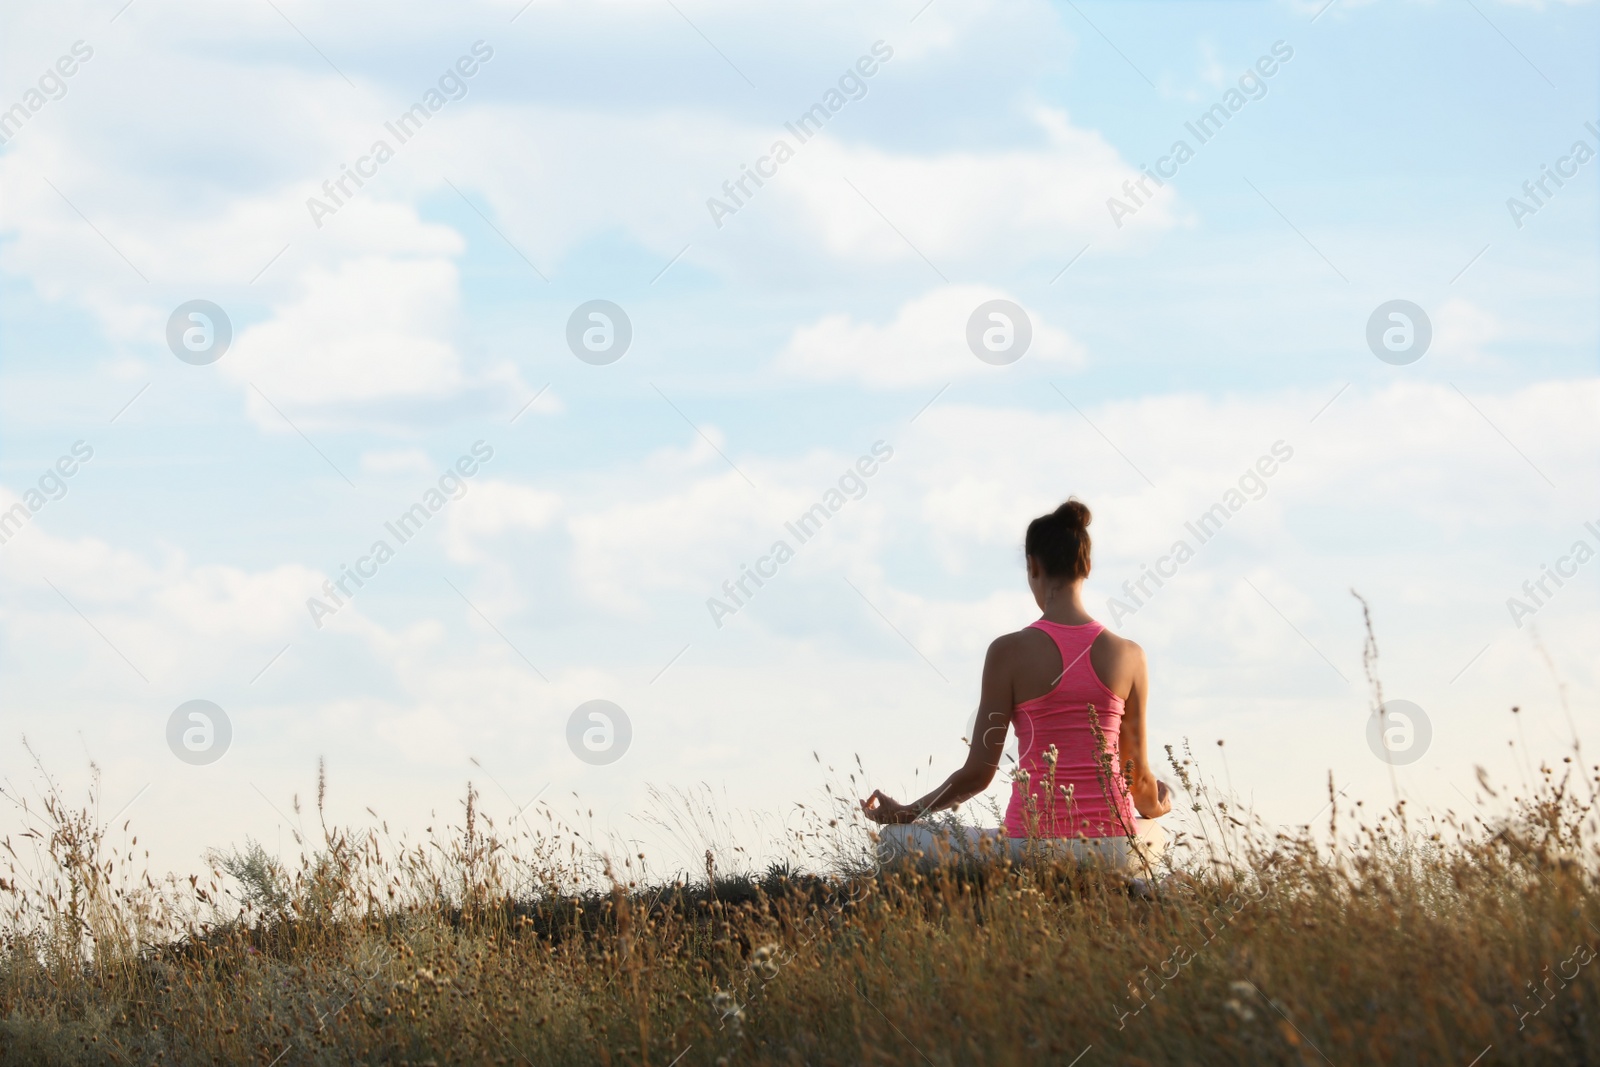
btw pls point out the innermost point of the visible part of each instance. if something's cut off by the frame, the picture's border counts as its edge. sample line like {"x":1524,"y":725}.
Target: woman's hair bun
{"x":1060,"y":540}
{"x":1076,"y":512}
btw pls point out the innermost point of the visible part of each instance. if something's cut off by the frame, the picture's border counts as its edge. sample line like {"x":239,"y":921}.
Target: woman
{"x":1076,"y":694}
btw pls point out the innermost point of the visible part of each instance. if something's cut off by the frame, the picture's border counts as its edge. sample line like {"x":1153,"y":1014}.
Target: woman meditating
{"x":1076,"y":695}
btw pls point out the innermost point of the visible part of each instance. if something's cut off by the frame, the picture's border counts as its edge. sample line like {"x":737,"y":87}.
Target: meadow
{"x":1393,"y":938}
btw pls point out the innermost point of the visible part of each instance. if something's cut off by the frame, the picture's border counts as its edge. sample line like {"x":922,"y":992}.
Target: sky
{"x":1300,"y":267}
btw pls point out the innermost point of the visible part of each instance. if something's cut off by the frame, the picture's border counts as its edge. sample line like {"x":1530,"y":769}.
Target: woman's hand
{"x":1151,"y":796}
{"x":1162,"y":805}
{"x":882,"y":808}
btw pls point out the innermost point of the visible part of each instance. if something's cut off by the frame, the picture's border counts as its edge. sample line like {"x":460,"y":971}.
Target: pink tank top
{"x":1061,"y":718}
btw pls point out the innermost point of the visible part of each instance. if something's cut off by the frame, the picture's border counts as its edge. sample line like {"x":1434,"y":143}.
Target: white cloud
{"x":492,"y":508}
{"x":172,"y":619}
{"x":374,"y":329}
{"x":362,"y":312}
{"x":966,"y":480}
{"x":1032,"y":202}
{"x":925,"y":344}
{"x":685,"y":541}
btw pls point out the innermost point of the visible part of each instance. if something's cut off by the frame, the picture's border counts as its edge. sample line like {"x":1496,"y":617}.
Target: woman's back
{"x":1083,"y":793}
{"x":1041,"y":681}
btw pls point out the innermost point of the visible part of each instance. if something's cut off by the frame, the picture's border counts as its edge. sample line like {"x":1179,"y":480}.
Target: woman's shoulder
{"x":1116,"y":659}
{"x":1027,"y":639}
{"x":1122,"y":646}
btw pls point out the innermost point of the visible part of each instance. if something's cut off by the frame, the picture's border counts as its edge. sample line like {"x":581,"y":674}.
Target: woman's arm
{"x":983,"y":757}
{"x":1150,"y":797}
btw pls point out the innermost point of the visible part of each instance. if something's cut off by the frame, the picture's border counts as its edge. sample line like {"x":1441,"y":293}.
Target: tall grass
{"x":1392,"y":939}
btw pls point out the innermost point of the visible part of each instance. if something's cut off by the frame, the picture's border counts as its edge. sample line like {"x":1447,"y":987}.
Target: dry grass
{"x":1364,"y":942}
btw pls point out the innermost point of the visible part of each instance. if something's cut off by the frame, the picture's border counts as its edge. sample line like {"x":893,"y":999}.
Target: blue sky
{"x":768,"y":354}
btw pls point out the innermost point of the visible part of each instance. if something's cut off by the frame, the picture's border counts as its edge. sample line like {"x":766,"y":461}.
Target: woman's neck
{"x":1064,"y":604}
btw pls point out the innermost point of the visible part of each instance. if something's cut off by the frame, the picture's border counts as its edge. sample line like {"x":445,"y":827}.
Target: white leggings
{"x":929,"y":845}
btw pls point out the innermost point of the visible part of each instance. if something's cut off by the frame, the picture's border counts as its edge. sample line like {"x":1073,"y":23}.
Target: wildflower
{"x":1235,"y":1006}
{"x":726,"y":1007}
{"x":764,"y":961}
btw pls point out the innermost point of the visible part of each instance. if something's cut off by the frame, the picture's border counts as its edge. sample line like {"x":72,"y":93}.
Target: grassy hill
{"x":1392,"y":940}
